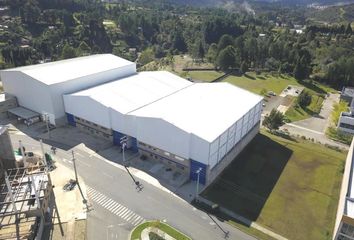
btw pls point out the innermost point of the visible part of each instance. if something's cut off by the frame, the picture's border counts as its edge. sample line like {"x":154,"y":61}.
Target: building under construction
{"x":26,"y":196}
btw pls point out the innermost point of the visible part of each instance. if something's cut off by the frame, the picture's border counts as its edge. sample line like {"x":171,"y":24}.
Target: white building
{"x":40,"y":87}
{"x":185,"y":125}
{"x":344,"y":224}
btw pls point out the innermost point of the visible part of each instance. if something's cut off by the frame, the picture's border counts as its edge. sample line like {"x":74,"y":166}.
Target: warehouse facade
{"x":40,"y":87}
{"x":187,"y":126}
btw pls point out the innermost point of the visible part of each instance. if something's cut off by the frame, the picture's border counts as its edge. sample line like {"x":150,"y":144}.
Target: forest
{"x":273,"y":38}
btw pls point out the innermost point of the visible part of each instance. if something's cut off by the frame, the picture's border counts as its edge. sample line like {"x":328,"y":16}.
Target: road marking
{"x":85,"y":163}
{"x":114,"y":207}
{"x":106,"y":174}
{"x":303,"y":128}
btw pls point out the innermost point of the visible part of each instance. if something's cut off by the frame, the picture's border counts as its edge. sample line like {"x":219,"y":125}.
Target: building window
{"x":345,"y":125}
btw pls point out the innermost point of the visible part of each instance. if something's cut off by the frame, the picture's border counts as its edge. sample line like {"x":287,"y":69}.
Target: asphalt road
{"x":115,"y":190}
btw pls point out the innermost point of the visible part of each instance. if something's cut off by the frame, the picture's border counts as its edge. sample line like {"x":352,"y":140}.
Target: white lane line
{"x":117,"y":210}
{"x":111,"y":206}
{"x":303,"y":128}
{"x":108,"y":175}
{"x":126,"y":215}
{"x":122,"y":212}
{"x":114,"y":207}
{"x":84,"y":163}
{"x":109,"y":201}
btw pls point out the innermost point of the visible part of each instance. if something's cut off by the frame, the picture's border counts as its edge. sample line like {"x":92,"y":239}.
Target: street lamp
{"x":123,"y":143}
{"x":197,"y":190}
{"x":46,"y":119}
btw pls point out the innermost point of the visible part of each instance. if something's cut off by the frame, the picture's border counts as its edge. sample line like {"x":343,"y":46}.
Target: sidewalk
{"x":70,"y":206}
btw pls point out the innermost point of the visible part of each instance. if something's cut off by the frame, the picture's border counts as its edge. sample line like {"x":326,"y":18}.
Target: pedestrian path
{"x":114,"y":207}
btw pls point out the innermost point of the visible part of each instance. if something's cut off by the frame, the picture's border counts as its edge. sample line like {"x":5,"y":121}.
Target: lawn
{"x":296,"y":113}
{"x":277,"y":83}
{"x":263,"y":82}
{"x":332,"y":131}
{"x":136,"y":234}
{"x":206,"y":76}
{"x":288,"y":186}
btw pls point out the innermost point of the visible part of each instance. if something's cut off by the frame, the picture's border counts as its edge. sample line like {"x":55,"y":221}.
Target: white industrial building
{"x":185,"y":125}
{"x":40,"y":87}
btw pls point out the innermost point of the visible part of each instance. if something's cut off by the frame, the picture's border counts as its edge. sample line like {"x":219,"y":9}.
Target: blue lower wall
{"x":134,"y":146}
{"x":71,"y":119}
{"x":116,"y":137}
{"x":195,"y":165}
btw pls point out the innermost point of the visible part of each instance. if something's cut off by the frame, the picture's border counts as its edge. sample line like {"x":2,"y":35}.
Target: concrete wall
{"x":226,"y":160}
{"x":29,"y":92}
{"x":8,"y":103}
{"x":58,"y":90}
{"x":349,"y":124}
{"x":229,"y":138}
{"x":343,"y":190}
{"x":87,"y":108}
{"x":163,"y":135}
{"x":6,"y":151}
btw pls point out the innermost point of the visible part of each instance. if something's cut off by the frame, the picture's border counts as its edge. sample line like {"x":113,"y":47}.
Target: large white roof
{"x":65,"y":70}
{"x":133,"y":92}
{"x":204,"y":109}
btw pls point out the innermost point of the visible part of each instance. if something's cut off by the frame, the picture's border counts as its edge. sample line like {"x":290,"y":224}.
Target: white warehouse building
{"x":185,"y":125}
{"x":40,"y":87}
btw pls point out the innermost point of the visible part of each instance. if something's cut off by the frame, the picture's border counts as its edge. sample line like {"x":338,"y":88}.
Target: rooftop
{"x":199,"y":106}
{"x":135,"y":91}
{"x":348,"y":91}
{"x":65,"y":70}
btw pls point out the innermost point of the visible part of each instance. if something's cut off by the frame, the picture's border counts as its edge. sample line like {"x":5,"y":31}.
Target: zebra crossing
{"x":114,"y":207}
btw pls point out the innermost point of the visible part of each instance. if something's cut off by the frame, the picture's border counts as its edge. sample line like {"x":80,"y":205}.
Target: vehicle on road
{"x":70,"y":185}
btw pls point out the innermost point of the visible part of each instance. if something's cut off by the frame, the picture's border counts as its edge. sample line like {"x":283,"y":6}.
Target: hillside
{"x":332,"y":14}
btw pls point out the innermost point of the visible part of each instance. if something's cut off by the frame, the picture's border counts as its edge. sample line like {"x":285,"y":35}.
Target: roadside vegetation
{"x":299,"y":112}
{"x":332,"y":132}
{"x":290,"y":186}
{"x":136,"y":234}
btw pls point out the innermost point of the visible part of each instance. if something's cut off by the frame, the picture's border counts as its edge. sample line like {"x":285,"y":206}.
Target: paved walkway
{"x":146,"y":231}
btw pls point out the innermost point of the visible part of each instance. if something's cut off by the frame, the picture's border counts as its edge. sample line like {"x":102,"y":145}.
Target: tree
{"x":83,"y":49}
{"x":146,"y":56}
{"x":68,"y":52}
{"x":304,"y":99}
{"x":348,"y":30}
{"x":225,"y":40}
{"x":212,"y":53}
{"x":201,"y":51}
{"x":244,"y":67}
{"x":226,"y":58}
{"x":274,"y":120}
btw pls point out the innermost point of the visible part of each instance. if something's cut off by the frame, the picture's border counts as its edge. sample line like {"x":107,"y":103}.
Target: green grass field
{"x":288,"y":186}
{"x":205,"y":76}
{"x":136,"y":234}
{"x":276,"y":83}
{"x":296,"y":113}
{"x":266,"y":82}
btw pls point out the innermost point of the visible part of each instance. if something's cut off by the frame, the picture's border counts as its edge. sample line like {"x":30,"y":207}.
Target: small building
{"x":40,"y":87}
{"x":344,"y":222}
{"x":7,"y":102}
{"x":346,"y":120}
{"x":347,"y":94}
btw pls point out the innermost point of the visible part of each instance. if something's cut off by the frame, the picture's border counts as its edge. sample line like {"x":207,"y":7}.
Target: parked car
{"x":70,"y":185}
{"x":271,"y":93}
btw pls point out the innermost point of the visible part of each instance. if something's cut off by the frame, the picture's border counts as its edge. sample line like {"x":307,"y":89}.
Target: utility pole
{"x":84,"y":201}
{"x":226,"y":233}
{"x":197,"y":190}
